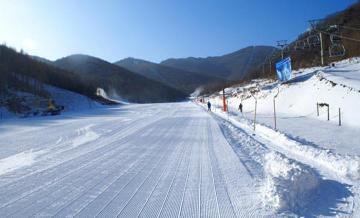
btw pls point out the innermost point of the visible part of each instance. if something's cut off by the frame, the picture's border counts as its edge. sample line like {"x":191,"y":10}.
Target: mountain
{"x":174,"y":77}
{"x":118,"y":82}
{"x":22,"y":72}
{"x":42,"y":60}
{"x":233,"y":66}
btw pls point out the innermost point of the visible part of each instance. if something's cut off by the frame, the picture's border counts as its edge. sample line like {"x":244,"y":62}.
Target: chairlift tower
{"x":282,"y":44}
{"x":313,"y":24}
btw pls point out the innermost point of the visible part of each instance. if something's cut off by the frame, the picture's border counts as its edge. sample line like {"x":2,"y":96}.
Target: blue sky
{"x":154,"y":29}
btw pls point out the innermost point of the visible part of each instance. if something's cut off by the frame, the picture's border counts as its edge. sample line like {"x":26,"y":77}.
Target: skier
{"x":240,"y":107}
{"x":209,"y":105}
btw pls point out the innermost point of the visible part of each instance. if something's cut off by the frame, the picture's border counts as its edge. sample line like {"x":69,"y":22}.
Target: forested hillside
{"x":340,"y":34}
{"x":118,"y":82}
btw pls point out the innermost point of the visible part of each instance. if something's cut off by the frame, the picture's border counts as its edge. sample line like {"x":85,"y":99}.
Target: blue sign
{"x":283,"y":69}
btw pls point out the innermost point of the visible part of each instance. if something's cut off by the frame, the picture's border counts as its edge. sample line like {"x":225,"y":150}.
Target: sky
{"x":154,"y":30}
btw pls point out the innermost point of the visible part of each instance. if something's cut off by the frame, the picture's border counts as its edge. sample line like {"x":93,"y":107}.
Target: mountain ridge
{"x":118,"y":81}
{"x":177,"y":78}
{"x":225,"y":66}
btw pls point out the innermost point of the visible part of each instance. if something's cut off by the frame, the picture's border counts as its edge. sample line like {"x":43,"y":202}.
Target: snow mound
{"x":289,"y":185}
{"x":17,"y":161}
{"x":85,"y":135}
{"x":347,"y":166}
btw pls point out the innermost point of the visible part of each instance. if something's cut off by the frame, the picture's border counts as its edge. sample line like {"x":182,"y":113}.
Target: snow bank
{"x":304,"y":135}
{"x":289,"y":185}
{"x":345,"y":165}
{"x":70,"y":100}
{"x":17,"y":161}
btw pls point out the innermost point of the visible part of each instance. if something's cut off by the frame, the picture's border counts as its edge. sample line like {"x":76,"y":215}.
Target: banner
{"x":283,"y":69}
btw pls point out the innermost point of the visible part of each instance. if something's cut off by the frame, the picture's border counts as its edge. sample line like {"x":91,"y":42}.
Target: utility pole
{"x":282,"y":44}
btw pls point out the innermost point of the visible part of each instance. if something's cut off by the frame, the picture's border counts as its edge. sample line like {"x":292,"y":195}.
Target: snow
{"x":144,"y":161}
{"x":266,"y":160}
{"x":85,"y":135}
{"x":17,"y":161}
{"x":296,"y":106}
{"x":324,"y":154}
{"x":163,"y":160}
{"x":178,"y":160}
{"x":289,"y":185}
{"x":70,"y":100}
{"x":344,"y":165}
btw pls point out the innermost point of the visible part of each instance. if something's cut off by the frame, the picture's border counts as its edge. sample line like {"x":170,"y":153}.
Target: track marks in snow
{"x":251,"y":152}
{"x":171,"y":160}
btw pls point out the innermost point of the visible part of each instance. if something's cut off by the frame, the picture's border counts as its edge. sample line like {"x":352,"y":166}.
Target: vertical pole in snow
{"x":339,"y":116}
{"x":322,"y":49}
{"x":317,"y":108}
{"x":328,"y":112}
{"x":270,"y":68}
{"x":275,"y":108}
{"x":255,"y":114}
{"x":227,"y":103}
{"x":224,"y":101}
{"x":274,"y":115}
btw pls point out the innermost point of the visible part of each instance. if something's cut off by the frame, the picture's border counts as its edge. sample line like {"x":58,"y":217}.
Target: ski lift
{"x":333,"y":29}
{"x":286,"y":49}
{"x":306,"y":44}
{"x":299,"y":45}
{"x":314,"y":40}
{"x":335,"y":35}
{"x":337,"y":50}
{"x":335,"y":39}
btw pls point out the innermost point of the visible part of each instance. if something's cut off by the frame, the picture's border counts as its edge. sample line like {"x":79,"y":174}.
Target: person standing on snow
{"x":209,"y":105}
{"x":240,"y":107}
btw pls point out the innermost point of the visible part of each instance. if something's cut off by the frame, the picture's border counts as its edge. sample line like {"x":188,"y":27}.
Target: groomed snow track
{"x":161,"y":160}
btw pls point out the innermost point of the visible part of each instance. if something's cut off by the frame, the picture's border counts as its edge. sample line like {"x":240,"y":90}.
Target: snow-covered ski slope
{"x":338,"y":86}
{"x":161,"y":160}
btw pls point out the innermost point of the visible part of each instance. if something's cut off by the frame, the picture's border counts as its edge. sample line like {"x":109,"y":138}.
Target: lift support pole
{"x":224,"y":101}
{"x":322,"y":49}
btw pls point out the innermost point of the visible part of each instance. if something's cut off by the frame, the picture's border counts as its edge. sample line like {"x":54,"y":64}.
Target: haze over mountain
{"x":118,"y":82}
{"x":174,"y":77}
{"x":233,"y":66}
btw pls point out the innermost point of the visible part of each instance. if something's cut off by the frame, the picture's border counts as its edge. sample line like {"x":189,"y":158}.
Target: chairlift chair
{"x":337,"y":50}
{"x":335,"y":35}
{"x":335,"y":39}
{"x":306,"y":44}
{"x":333,"y":29}
{"x":314,"y":40}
